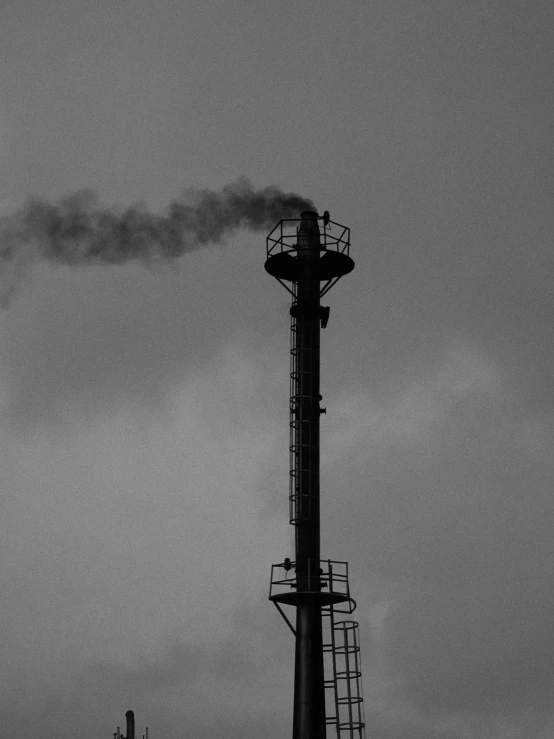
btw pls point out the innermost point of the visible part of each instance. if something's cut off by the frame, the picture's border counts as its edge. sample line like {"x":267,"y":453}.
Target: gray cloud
{"x":428,"y":125}
{"x":454,"y":522}
{"x":206,"y":690}
{"x":77,"y":343}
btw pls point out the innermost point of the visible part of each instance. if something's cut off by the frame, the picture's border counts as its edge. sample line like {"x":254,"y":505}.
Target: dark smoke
{"x":80,"y":231}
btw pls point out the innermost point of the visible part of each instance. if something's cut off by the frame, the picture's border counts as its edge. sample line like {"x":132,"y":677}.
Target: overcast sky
{"x":144,"y":413}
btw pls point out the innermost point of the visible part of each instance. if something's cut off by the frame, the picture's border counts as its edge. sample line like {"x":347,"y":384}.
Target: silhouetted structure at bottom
{"x":130,"y":720}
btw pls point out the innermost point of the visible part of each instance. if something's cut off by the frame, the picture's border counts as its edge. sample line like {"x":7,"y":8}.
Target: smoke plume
{"x":80,"y":231}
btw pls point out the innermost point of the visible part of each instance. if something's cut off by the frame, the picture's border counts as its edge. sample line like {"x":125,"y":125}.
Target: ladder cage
{"x":343,"y":676}
{"x":303,"y":438}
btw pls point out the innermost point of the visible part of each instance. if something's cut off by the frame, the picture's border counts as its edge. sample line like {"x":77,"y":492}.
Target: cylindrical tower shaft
{"x":309,"y":694}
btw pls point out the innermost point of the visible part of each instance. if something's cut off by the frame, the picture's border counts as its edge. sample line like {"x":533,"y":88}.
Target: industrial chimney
{"x":327,"y":675}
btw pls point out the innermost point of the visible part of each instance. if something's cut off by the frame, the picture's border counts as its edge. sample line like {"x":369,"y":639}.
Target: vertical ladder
{"x":343,"y":675}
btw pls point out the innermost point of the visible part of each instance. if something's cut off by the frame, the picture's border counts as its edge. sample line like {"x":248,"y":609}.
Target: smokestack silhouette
{"x":130,"y":716}
{"x":79,"y":231}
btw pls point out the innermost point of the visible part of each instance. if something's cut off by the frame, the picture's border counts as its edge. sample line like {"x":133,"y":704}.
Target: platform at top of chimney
{"x":331,"y":265}
{"x":292,"y":240}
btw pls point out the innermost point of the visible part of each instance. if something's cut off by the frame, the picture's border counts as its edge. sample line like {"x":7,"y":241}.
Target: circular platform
{"x":294,"y":598}
{"x":331,"y":264}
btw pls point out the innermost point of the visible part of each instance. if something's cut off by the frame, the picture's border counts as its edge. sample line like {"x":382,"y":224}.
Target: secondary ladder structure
{"x":327,"y":673}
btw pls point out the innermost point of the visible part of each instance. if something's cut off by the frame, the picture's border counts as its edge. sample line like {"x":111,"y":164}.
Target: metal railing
{"x":284,"y":240}
{"x":284,"y":237}
{"x":324,"y":575}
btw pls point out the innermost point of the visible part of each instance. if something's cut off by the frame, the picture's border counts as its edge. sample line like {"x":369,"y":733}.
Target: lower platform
{"x":324,"y":581}
{"x":322,"y":597}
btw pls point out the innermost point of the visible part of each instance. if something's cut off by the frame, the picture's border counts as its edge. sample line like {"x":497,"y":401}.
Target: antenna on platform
{"x":327,"y":674}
